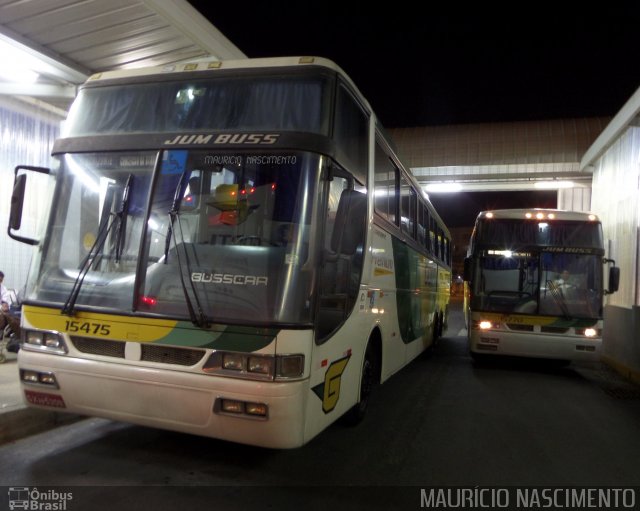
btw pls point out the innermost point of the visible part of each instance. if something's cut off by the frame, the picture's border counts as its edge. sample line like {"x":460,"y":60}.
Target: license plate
{"x":44,"y":399}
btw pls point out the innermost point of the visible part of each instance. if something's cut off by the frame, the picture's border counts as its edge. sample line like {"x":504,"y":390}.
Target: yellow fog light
{"x":231,"y":406}
{"x":259,"y":409}
{"x":48,"y":379}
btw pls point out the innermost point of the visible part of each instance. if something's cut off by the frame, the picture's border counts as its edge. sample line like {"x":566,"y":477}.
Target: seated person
{"x":6,"y":319}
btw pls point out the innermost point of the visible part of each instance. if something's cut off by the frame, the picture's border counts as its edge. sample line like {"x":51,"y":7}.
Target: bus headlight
{"x":589,"y":332}
{"x":39,"y":340}
{"x":260,"y":365}
{"x":255,"y":367}
{"x":482,"y":325}
{"x":232,"y":361}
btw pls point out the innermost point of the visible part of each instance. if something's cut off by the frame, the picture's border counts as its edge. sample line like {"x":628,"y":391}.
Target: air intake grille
{"x":150,"y":352}
{"x":521,"y":328}
{"x":169,"y":355}
{"x":99,"y":347}
{"x":554,"y":330}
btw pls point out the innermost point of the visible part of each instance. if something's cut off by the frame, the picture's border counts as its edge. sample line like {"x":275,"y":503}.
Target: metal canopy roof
{"x":72,"y":39}
{"x":500,"y":156}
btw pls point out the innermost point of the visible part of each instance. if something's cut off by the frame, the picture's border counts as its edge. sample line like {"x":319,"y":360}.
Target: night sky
{"x":455,"y":64}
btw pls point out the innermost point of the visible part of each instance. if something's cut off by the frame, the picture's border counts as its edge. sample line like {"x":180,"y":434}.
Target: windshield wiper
{"x":173,"y":214}
{"x":109,"y":219}
{"x":122,"y":218}
{"x":198,"y":318}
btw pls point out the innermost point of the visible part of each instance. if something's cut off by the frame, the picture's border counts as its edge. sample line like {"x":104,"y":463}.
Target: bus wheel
{"x":355,"y":415}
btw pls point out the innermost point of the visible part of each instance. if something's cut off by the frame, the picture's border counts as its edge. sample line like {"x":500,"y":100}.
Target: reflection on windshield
{"x":91,"y":254}
{"x":237,"y":244}
{"x":554,"y":284}
{"x":224,"y":234}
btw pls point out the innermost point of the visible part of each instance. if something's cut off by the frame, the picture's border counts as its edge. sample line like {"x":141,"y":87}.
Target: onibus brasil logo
{"x":21,"y":497}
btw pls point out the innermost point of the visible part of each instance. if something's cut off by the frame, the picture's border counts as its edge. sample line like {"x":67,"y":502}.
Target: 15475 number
{"x":87,"y":327}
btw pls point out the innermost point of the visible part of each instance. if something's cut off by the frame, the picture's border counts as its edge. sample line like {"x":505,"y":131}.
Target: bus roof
{"x":540,"y":214}
{"x":212,"y":65}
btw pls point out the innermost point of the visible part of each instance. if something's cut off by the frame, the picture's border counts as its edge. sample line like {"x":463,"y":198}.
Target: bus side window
{"x":342,"y":262}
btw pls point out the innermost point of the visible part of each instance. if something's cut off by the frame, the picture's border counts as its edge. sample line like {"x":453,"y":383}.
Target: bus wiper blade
{"x":198,"y":317}
{"x":173,"y":213}
{"x":68,"y":308}
{"x":96,"y":248}
{"x":122,"y":217}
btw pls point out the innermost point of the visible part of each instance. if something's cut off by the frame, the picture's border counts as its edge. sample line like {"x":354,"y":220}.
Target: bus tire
{"x":368,"y":379}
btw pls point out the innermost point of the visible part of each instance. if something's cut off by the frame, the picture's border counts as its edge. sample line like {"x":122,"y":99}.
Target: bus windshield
{"x":177,"y":231}
{"x":538,"y":282}
{"x":248,"y":102}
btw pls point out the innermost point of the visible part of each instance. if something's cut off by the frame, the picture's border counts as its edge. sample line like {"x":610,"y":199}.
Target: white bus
{"x":534,"y":284}
{"x":233,"y":250}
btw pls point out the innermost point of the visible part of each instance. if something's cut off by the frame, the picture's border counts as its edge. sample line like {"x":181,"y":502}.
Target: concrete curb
{"x":23,"y":421}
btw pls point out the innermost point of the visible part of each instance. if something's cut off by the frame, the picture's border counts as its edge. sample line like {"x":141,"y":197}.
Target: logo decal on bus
{"x":225,"y":138}
{"x":329,"y":390}
{"x":227,"y":278}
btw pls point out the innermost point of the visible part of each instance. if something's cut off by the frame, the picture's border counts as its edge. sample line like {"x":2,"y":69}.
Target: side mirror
{"x":614,"y":279}
{"x":17,"y":202}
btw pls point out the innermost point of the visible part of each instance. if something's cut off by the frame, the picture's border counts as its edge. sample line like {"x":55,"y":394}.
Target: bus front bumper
{"x":167,"y":399}
{"x":572,"y":348}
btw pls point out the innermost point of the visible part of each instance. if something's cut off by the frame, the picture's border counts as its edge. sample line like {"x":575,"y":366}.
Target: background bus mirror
{"x":614,"y":279}
{"x":467,"y":269}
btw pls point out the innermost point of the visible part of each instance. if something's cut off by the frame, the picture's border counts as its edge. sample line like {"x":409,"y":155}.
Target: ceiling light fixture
{"x":553,"y":185}
{"x":17,"y":65}
{"x":443,"y":187}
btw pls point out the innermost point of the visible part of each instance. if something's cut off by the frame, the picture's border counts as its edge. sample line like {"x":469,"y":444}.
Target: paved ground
{"x":16,"y":420}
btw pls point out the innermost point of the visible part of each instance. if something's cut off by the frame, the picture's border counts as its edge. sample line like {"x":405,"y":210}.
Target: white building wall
{"x":616,"y":198}
{"x":574,"y":199}
{"x":26,"y":138}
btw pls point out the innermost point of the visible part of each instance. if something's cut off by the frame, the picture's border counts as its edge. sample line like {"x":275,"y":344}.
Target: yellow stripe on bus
{"x":519,"y":319}
{"x":103,"y":326}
